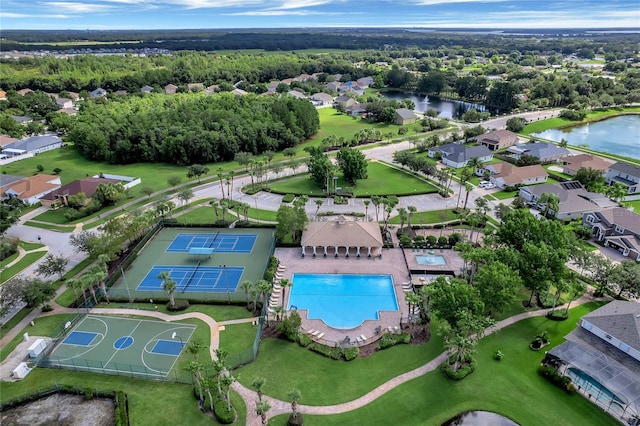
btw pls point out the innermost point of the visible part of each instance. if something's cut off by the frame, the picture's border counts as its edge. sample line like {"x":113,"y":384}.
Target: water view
{"x":617,"y":135}
{"x":480,"y":418}
{"x":446,"y":108}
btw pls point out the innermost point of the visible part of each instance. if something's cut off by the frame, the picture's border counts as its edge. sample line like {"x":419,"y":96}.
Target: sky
{"x":184,"y":14}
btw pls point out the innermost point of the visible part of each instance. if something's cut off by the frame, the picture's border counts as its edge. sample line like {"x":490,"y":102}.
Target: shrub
{"x":558,"y":315}
{"x":389,"y":340}
{"x":304,"y":340}
{"x":350,"y":353}
{"x":498,"y":355}
{"x":442,"y":241}
{"x":47,"y":308}
{"x":431,"y":239}
{"x":40,"y":167}
{"x":181,"y":305}
{"x":8,"y":246}
{"x":460,"y":373}
{"x":290,"y":325}
{"x":405,"y":241}
{"x":454,"y":239}
{"x":551,"y":373}
{"x":57,"y":171}
{"x":122,"y":411}
{"x":419,"y":238}
{"x":320,"y":349}
{"x":288,"y":198}
{"x":295,"y":420}
{"x":224,"y":416}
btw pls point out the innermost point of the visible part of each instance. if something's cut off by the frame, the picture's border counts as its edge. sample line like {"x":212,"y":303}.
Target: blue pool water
{"x":430,"y":259}
{"x":343,"y":300}
{"x":591,"y":386}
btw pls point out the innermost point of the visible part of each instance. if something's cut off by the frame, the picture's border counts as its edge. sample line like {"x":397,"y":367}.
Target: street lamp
{"x":257,"y":213}
{"x":174,"y":335}
{"x":39,"y":238}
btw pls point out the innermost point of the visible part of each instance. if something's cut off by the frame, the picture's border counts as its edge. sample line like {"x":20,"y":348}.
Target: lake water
{"x":446,"y":108}
{"x":479,"y":418}
{"x":618,"y":135}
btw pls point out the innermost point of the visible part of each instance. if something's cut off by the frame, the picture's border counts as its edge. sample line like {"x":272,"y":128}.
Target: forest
{"x":186,"y":129}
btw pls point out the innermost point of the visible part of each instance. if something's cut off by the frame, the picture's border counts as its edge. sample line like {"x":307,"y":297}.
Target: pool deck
{"x":454,"y":263}
{"x":392,"y":263}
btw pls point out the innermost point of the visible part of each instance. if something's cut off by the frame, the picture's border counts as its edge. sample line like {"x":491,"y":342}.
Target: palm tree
{"x":412,"y":210}
{"x":88,"y":281}
{"x":284,"y":283}
{"x":376,"y":200}
{"x":220,"y":174}
{"x":195,"y":346}
{"x":185,"y":195}
{"x":73,"y":284}
{"x":318,"y":205}
{"x":257,"y":384}
{"x":261,"y":409}
{"x":246,"y":285}
{"x":194,"y":368}
{"x":99,"y":277}
{"x":169,"y":286}
{"x":294,"y":395}
{"x":468,"y":188}
{"x":474,"y":164}
{"x":402,"y":212}
{"x":464,"y":177}
{"x":550,"y":201}
{"x":265,"y":288}
{"x":617,"y":192}
{"x":230,"y":176}
{"x":206,"y":385}
{"x":366,"y":209}
{"x":227,"y":380}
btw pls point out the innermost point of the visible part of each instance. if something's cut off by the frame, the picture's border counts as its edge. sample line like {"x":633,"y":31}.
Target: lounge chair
{"x":320,"y":336}
{"x":315,"y":333}
{"x":311,"y":331}
{"x":362,"y":337}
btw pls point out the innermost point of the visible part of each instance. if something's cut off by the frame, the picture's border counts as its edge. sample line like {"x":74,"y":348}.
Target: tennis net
{"x":193,"y":274}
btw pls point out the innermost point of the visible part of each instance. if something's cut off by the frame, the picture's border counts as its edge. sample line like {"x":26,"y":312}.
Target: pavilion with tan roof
{"x":353,"y":236}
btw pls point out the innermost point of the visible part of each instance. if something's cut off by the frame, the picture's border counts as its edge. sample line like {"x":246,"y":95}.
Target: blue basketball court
{"x":213,"y":279}
{"x":221,"y":243}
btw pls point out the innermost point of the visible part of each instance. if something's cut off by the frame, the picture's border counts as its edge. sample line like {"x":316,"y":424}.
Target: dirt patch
{"x":62,"y":409}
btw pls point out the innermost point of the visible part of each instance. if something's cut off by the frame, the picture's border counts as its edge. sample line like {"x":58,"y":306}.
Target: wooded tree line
{"x":188,"y":129}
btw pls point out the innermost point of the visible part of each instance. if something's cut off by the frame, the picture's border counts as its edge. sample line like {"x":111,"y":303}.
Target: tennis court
{"x":220,"y":243}
{"x":198,"y":279}
{"x":115,"y":345}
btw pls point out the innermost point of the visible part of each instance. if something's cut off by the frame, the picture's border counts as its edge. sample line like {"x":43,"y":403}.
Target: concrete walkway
{"x":281,"y":407}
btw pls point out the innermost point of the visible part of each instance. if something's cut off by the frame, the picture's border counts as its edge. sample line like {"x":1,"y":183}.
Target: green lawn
{"x":635,"y":204}
{"x":70,"y":228}
{"x":30,"y":246}
{"x":238,"y":338}
{"x":21,"y":264}
{"x":382,"y":180}
{"x":430,"y":217}
{"x":9,"y":259}
{"x":510,"y":387}
{"x":323,"y":381}
{"x":206,"y":215}
{"x":341,"y":125}
{"x":217,"y":312}
{"x":542,"y":125}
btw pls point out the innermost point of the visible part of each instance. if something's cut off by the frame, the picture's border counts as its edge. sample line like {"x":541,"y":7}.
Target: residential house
{"x":287,"y":81}
{"x":8,"y":180}
{"x":3,"y":95}
{"x":87,"y":186}
{"x":302,"y":78}
{"x":626,"y":174}
{"x":297,"y":94}
{"x":98,"y":93}
{"x":212,"y":88}
{"x":505,"y":174}
{"x":457,"y":155}
{"x":618,"y":228}
{"x":195,"y":87}
{"x":344,"y":101}
{"x":405,"y":116}
{"x":120,"y":93}
{"x":74,"y":96}
{"x":23,"y":92}
{"x":146,"y":89}
{"x":365,"y":82}
{"x":356,"y":109}
{"x":349,"y":87}
{"x":574,"y":200}
{"x":322,"y":99}
{"x":334,"y":86}
{"x":602,"y":358}
{"x":239,"y":92}
{"x":64,"y":103}
{"x":36,"y":144}
{"x":22,"y":119}
{"x":498,"y":139}
{"x":6,"y":140}
{"x":29,"y":190}
{"x":545,"y":152}
{"x":170,"y":89}
{"x":576,"y":162}
{"x":273,"y":86}
{"x":68,"y":111}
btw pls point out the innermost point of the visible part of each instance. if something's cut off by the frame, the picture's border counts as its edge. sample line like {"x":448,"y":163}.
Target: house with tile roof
{"x":86,"y":185}
{"x":458,"y":155}
{"x":498,"y":139}
{"x":626,"y":174}
{"x":576,"y":162}
{"x":545,"y":152}
{"x":506,"y":174}
{"x":618,"y":228}
{"x":602,"y":358}
{"x":29,"y":190}
{"x":342,"y":236}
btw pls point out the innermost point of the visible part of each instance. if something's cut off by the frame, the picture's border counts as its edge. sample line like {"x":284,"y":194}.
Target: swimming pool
{"x":343,"y":301}
{"x":431,"y":259}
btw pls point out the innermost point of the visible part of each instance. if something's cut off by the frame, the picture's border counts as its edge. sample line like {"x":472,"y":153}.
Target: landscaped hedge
{"x":336,"y":352}
{"x":122,"y":409}
{"x":288,"y":198}
{"x":223,"y":415}
{"x":270,"y":272}
{"x":389,"y":339}
{"x":563,"y":382}
{"x":180,"y":305}
{"x":558,"y":315}
{"x":459,"y":374}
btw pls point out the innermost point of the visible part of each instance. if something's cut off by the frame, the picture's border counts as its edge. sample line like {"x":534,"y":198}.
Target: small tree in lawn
{"x":185,"y":195}
{"x":53,"y":265}
{"x":194,"y":348}
{"x":261,"y":409}
{"x":197,"y":170}
{"x":195,"y":369}
{"x":173,"y":181}
{"x":294,"y":395}
{"x":318,"y":203}
{"x":290,"y":326}
{"x":258,"y":384}
{"x":169,"y":286}
{"x":227,"y":380}
{"x":147,"y":190}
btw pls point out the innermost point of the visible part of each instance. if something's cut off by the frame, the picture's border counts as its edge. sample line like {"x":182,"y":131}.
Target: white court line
{"x":118,"y":350}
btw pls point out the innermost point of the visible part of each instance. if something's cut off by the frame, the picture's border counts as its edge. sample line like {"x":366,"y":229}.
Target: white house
{"x":457,"y":155}
{"x":626,"y":174}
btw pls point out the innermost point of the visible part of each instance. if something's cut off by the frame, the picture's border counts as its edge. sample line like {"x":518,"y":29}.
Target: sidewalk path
{"x":282,"y":407}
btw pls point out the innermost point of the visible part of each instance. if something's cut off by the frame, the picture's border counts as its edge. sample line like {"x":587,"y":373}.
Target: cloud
{"x":434,"y":2}
{"x":280,"y":13}
{"x":10,"y":15}
{"x":299,"y":4}
{"x":78,"y":7}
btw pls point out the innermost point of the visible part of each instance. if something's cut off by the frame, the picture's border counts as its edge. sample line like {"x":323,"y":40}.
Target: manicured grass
{"x":238,"y":338}
{"x":323,"y":381}
{"x":341,"y":125}
{"x":217,"y":312}
{"x":511,"y":387}
{"x":45,"y":326}
{"x":14,"y":321}
{"x":542,"y":125}
{"x":49,"y":227}
{"x":382,"y":180}
{"x":503,"y":195}
{"x":150,"y":402}
{"x":21,"y":264}
{"x":206,"y":215}
{"x":430,"y":217}
{"x":635,"y":204}
{"x":67,"y":297}
{"x":30,"y":246}
{"x":9,"y":259}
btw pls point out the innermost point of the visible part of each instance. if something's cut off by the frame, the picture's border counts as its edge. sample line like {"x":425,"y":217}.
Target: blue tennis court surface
{"x":213,"y":279}
{"x":221,"y":243}
{"x":79,"y":338}
{"x":167,"y":347}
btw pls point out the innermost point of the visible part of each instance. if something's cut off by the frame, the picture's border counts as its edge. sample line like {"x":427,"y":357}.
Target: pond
{"x":479,"y":418}
{"x":446,"y":108}
{"x":617,"y":135}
